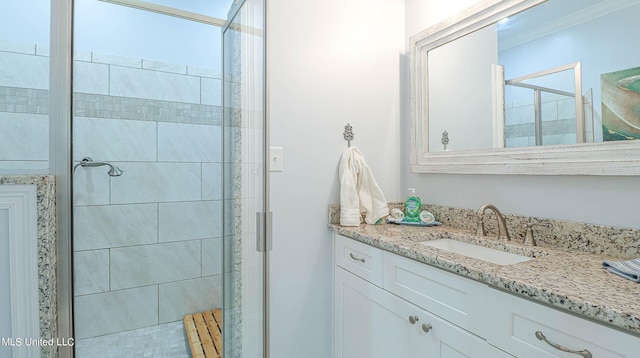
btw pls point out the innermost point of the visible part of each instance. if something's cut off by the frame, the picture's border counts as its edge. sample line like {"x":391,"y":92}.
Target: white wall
{"x":601,"y":200}
{"x":331,"y":63}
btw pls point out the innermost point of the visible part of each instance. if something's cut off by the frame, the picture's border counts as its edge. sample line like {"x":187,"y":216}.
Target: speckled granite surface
{"x":569,"y":279}
{"x":47,"y":258}
{"x":614,"y":242}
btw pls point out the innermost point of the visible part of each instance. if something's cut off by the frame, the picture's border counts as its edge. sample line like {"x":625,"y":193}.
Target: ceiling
{"x":553,"y":16}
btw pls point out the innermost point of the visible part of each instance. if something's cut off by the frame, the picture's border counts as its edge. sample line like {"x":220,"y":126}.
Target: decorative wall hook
{"x":445,"y":139}
{"x":348,"y":134}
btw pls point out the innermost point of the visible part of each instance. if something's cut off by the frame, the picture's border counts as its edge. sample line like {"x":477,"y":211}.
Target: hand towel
{"x":359,"y":190}
{"x":627,"y":269}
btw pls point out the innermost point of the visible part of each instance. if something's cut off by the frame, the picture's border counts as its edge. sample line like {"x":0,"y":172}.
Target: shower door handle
{"x":263,"y":231}
{"x":260,"y":221}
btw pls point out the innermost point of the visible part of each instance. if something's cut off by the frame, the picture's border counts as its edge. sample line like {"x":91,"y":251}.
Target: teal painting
{"x":621,"y":104}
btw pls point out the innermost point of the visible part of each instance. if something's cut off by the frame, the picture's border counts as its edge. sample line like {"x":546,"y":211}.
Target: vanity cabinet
{"x":386,"y":305}
{"x":371,"y":322}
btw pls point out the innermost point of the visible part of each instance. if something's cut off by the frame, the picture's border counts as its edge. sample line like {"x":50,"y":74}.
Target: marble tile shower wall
{"x":24,"y":107}
{"x":147,"y":244}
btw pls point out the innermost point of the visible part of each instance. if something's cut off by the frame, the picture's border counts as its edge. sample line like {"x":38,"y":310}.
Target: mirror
{"x":533,"y":86}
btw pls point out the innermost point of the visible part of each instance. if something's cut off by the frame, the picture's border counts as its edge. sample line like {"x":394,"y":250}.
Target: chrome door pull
{"x":426,"y":327}
{"x":355,"y":258}
{"x":584,"y":353}
{"x":413,"y":319}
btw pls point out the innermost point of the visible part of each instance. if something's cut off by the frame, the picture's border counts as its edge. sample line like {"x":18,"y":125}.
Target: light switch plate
{"x":275,"y":159}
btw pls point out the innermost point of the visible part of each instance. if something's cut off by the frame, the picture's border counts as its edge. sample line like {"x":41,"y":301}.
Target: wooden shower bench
{"x":204,"y":332}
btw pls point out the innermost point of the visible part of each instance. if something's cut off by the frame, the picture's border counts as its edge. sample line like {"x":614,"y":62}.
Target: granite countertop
{"x":566,"y":279}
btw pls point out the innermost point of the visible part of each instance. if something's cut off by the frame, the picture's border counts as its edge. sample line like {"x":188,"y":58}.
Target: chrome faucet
{"x":503,"y":233}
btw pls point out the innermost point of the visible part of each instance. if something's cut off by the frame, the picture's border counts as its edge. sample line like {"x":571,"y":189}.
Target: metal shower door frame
{"x":577,"y":94}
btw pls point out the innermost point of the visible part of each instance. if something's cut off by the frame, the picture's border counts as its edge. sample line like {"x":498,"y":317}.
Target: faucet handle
{"x":480,"y":229}
{"x":528,"y":236}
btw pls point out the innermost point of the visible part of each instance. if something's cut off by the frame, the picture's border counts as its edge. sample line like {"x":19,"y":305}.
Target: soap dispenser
{"x":412,"y":207}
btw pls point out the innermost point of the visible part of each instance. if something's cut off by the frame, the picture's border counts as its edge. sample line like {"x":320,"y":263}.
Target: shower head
{"x":87,"y":162}
{"x":114,"y":171}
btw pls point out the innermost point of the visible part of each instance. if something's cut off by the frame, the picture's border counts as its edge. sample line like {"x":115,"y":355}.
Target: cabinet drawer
{"x":457,"y":299}
{"x":360,"y":259}
{"x":515,"y":322}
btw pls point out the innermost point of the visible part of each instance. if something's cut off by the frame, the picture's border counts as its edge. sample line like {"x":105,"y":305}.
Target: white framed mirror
{"x":528,"y":87}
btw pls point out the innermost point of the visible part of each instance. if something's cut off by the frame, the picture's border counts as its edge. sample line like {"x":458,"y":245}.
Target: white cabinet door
{"x":441,"y":339}
{"x":372,"y":323}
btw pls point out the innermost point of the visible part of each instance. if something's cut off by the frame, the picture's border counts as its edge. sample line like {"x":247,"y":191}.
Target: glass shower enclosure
{"x":167,"y":175}
{"x":161,"y":200}
{"x":147,"y":176}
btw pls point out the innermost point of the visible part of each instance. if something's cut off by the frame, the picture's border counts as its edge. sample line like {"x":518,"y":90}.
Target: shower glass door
{"x":246,"y":254}
{"x":147,"y":179}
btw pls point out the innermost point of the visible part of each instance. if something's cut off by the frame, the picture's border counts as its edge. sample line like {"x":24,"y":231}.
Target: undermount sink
{"x":477,"y":252}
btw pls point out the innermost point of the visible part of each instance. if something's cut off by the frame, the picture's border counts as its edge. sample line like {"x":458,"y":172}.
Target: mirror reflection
{"x":563,"y":72}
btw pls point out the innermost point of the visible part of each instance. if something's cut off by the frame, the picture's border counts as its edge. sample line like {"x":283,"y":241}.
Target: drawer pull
{"x":426,"y":327}
{"x":413,"y":319}
{"x":584,"y":353}
{"x":355,"y":258}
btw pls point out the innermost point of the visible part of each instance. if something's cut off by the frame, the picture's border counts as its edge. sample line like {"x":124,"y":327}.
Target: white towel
{"x":359,"y":190}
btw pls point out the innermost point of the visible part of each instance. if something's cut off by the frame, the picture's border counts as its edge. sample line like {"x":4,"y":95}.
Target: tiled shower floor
{"x":163,"y":341}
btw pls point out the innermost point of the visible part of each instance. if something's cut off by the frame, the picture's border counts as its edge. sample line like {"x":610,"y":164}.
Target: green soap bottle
{"x":412,"y":207}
